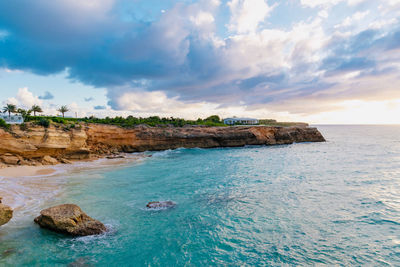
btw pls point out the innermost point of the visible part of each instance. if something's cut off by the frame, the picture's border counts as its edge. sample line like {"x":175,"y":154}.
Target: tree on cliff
{"x":24,"y":113}
{"x":10,"y":108}
{"x":213,"y":118}
{"x":63,"y":109}
{"x":36,"y":108}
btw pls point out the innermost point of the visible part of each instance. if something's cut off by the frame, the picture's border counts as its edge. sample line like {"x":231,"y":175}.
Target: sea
{"x":305,"y":204}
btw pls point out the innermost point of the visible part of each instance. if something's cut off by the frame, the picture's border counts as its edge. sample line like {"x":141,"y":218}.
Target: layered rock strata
{"x":37,"y":145}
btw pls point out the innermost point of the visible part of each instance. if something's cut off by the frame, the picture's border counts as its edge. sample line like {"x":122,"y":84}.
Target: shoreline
{"x":26,"y":171}
{"x":25,"y":188}
{"x":86,"y":164}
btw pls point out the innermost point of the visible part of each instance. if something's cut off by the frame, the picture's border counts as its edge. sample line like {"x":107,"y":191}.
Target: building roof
{"x":13,"y":119}
{"x":241,"y":119}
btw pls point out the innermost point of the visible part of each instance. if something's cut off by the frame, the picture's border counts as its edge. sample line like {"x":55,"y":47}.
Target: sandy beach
{"x":26,"y":171}
{"x":23,"y":171}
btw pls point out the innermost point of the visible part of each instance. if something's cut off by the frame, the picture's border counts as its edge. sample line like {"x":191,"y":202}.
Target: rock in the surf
{"x":6,"y":213}
{"x":160,"y":204}
{"x":69,"y":219}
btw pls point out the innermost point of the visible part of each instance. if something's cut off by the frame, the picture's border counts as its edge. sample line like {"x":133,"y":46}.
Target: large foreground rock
{"x":6,"y":213}
{"x":69,"y":219}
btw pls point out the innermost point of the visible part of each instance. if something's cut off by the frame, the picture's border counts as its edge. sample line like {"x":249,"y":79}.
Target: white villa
{"x":245,"y":121}
{"x":13,"y":119}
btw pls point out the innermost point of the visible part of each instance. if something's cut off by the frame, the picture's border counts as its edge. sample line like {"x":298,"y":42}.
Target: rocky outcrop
{"x":6,"y":213}
{"x":37,"y":145}
{"x":47,"y":160}
{"x":161,"y":204}
{"x":69,"y":219}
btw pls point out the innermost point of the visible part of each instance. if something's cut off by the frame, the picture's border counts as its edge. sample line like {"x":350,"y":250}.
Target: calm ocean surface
{"x":304,"y":204}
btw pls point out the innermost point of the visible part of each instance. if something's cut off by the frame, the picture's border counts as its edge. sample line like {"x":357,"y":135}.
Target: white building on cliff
{"x":242,"y":121}
{"x":13,"y":119}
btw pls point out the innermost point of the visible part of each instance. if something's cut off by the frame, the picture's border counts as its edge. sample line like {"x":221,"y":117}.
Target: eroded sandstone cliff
{"x":37,"y":145}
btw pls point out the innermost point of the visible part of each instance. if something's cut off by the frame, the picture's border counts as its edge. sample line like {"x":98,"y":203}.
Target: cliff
{"x":36,"y":145}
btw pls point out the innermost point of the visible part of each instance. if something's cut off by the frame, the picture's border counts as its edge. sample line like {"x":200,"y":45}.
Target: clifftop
{"x":36,"y":145}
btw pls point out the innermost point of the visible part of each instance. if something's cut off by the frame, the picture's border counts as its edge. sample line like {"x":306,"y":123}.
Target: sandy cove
{"x":49,"y":170}
{"x":27,"y":186}
{"x":18,"y":171}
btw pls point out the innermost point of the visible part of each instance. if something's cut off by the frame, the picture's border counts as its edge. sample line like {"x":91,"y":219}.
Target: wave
{"x":167,"y":153}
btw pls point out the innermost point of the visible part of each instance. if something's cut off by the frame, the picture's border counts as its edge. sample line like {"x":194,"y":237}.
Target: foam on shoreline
{"x":25,"y":188}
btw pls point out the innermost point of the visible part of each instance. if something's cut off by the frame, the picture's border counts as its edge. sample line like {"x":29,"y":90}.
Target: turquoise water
{"x":304,"y":204}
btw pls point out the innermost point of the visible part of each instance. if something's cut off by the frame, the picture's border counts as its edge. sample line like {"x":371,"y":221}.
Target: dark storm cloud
{"x":99,"y":47}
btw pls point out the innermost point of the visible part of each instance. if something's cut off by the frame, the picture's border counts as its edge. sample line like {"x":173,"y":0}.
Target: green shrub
{"x":44,"y":122}
{"x":4,"y":125}
{"x":59,"y":120}
{"x":214,"y":119}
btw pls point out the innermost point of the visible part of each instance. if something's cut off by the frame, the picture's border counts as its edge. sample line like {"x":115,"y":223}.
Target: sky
{"x":319,"y":61}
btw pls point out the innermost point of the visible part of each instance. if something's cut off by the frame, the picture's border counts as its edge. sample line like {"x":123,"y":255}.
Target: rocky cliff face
{"x":37,"y":145}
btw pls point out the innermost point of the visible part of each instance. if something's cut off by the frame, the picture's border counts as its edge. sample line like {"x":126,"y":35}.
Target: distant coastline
{"x":36,"y":145}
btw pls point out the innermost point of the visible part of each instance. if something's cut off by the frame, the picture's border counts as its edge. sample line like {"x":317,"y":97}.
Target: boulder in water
{"x":69,"y":219}
{"x":161,"y":204}
{"x":6,"y":213}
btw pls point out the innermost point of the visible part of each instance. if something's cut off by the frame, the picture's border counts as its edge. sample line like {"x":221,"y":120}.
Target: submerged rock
{"x":161,"y":204}
{"x":69,"y":219}
{"x":6,"y":213}
{"x":81,"y":262}
{"x":8,"y":252}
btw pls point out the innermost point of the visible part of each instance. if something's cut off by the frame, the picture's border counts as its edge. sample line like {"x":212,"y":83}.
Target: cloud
{"x":100,"y":107}
{"x":157,"y":103}
{"x":223,"y":54}
{"x":24,"y":99}
{"x":88,"y":99}
{"x":329,"y":3}
{"x":317,"y":3}
{"x":247,"y":14}
{"x":47,"y":95}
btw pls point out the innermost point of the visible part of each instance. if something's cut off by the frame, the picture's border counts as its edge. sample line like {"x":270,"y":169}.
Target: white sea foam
{"x":168,"y":152}
{"x":27,"y":195}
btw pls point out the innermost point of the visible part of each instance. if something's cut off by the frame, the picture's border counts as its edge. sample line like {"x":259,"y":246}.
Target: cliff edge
{"x":36,"y":145}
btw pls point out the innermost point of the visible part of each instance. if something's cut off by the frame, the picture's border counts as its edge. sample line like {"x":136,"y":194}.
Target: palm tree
{"x":63,"y":109}
{"x":10,"y":108}
{"x":36,"y":108}
{"x":24,"y":113}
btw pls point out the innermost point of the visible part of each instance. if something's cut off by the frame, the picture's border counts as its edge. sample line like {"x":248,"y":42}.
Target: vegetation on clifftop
{"x":131,"y":121}
{"x":127,"y":122}
{"x":270,"y":122}
{"x":4,"y":125}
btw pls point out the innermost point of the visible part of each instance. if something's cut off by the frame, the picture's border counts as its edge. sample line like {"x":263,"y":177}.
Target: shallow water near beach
{"x":311,"y":203}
